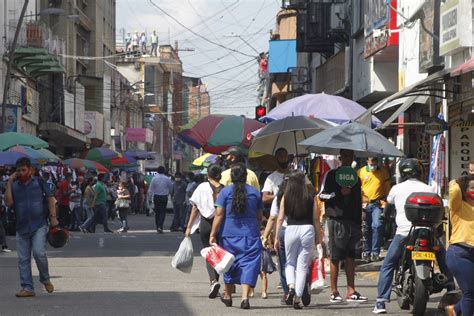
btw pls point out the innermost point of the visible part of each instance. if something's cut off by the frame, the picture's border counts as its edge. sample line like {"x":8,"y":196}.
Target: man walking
{"x":376,"y":185}
{"x":64,"y":193}
{"x":26,"y":193}
{"x":343,"y":205}
{"x":154,"y":43}
{"x":160,"y":188}
{"x":178,"y":196}
{"x":234,"y":155}
{"x":100,"y":208}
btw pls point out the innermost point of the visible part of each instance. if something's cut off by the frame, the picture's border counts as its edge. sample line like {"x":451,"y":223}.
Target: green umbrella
{"x":11,"y":139}
{"x":50,"y":157}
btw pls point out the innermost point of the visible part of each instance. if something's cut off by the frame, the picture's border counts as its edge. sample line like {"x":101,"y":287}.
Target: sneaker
{"x":279,"y":287}
{"x":82,"y":229}
{"x":159,"y":231}
{"x":375,"y":257}
{"x":5,"y":248}
{"x":49,"y":287}
{"x":25,"y":293}
{"x":366,"y":258}
{"x":291,"y":295}
{"x":214,"y":289}
{"x":335,"y":298}
{"x":379,"y":308}
{"x":356,"y":297}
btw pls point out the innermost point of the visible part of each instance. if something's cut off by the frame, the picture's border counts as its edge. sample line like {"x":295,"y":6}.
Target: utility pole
{"x":9,"y":66}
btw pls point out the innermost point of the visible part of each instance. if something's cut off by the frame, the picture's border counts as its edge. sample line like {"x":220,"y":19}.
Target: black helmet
{"x":410,"y":168}
{"x":58,"y":237}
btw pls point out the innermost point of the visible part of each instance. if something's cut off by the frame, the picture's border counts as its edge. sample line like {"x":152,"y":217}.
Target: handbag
{"x":122,"y":203}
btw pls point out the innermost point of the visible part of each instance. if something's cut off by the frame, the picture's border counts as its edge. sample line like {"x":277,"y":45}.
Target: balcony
{"x":85,"y":21}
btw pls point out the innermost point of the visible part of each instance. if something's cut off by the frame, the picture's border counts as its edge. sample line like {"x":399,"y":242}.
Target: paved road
{"x":130,"y":274}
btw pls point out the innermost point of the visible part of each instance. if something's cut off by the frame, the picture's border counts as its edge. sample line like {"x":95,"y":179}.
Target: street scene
{"x":202,"y":157}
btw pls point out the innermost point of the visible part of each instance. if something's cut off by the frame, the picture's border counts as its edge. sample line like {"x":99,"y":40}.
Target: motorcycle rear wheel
{"x":420,"y":297}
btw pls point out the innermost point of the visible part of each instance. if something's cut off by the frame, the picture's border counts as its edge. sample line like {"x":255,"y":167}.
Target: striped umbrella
{"x":77,"y":163}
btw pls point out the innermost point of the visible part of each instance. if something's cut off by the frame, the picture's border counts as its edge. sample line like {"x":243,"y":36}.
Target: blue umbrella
{"x":138,"y":154}
{"x":9,"y":158}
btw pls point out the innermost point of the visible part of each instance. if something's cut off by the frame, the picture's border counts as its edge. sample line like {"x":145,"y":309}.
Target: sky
{"x":228,"y":35}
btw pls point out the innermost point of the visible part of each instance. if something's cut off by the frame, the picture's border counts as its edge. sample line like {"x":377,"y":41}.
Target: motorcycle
{"x":415,"y":279}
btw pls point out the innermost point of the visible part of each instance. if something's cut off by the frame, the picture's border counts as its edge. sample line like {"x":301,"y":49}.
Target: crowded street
{"x":131,"y":274}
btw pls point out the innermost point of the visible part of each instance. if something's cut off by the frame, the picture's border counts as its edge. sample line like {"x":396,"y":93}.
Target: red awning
{"x":468,"y":66}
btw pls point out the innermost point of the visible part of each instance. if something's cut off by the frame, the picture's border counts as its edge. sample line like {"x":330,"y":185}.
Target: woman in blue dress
{"x":236,"y":228}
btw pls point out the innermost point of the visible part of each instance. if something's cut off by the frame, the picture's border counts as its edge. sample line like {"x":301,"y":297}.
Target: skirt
{"x":248,"y":256}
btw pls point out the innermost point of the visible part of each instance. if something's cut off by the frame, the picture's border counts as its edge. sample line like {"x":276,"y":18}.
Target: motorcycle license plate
{"x":423,"y":255}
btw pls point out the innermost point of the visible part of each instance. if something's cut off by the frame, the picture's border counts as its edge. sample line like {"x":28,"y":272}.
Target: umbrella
{"x":123,"y":161}
{"x":354,"y":136}
{"x":216,"y":133}
{"x":205,"y":160}
{"x":31,"y":153}
{"x":10,"y":139}
{"x":100,"y":154}
{"x":287,"y":133}
{"x":9,"y":158}
{"x":49,"y":155}
{"x":77,"y":163}
{"x":138,"y":154}
{"x":323,"y":106}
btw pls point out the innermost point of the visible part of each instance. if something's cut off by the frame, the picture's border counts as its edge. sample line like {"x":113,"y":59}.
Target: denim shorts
{"x":344,"y":239}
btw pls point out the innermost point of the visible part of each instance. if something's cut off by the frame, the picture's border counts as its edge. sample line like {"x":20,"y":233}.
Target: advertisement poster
{"x":462,"y":148}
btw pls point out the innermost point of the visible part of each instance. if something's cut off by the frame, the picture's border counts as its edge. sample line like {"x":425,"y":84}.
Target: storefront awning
{"x":404,"y":99}
{"x":62,"y":135}
{"x":466,"y":67}
{"x":36,"y":62}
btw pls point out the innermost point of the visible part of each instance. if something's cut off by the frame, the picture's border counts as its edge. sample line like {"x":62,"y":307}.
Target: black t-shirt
{"x":343,"y":207}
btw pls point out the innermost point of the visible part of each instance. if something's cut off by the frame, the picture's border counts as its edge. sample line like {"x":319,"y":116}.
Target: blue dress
{"x":240,"y":235}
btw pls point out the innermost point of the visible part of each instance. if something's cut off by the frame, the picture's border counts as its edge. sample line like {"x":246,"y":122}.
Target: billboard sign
{"x":455,"y":26}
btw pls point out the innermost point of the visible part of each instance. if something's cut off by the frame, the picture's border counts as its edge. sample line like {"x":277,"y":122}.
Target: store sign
{"x":11,"y":122}
{"x":429,"y":45}
{"x":94,"y":124}
{"x":455,"y":26}
{"x":140,"y":135}
{"x":379,"y":19}
{"x":435,"y":126}
{"x":461,"y":148}
{"x":346,"y":177}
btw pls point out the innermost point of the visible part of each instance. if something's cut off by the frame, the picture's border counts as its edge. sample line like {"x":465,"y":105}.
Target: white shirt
{"x":398,"y":196}
{"x":272,"y":182}
{"x":160,"y":185}
{"x":203,"y":199}
{"x":275,"y":209}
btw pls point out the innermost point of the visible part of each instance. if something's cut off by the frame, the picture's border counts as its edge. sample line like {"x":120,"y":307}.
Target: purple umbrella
{"x":322,"y":106}
{"x":9,"y":158}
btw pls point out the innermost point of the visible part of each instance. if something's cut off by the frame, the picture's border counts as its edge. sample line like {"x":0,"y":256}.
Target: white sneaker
{"x":214,"y":289}
{"x":6,"y":250}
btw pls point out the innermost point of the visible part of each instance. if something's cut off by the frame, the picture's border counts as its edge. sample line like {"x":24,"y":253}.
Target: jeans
{"x":460,"y":260}
{"x":282,"y":260}
{"x":178,"y":209}
{"x":64,"y":215}
{"x":154,"y":47}
{"x":77,"y":217}
{"x":100,"y":216}
{"x":3,"y":233}
{"x":36,"y":243}
{"x":373,"y":233}
{"x":160,"y":202}
{"x":90,"y":217}
{"x":123,"y":217}
{"x":390,"y":264}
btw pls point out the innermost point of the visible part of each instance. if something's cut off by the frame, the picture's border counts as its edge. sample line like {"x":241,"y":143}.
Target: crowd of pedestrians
{"x":141,"y":44}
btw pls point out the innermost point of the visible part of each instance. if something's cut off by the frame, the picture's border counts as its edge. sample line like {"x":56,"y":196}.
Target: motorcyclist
{"x":411,"y":172}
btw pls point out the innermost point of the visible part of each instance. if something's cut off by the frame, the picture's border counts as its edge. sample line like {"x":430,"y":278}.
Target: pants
{"x":204,"y":233}
{"x":282,"y":260}
{"x":160,"y":202}
{"x":64,"y":215}
{"x":123,"y":217}
{"x":299,"y":245}
{"x":390,"y":263}
{"x":154,"y":47}
{"x":100,"y":217}
{"x":373,"y":233}
{"x":111,"y":214}
{"x":77,"y":212}
{"x":26,"y":244}
{"x":3,"y":234}
{"x":90,"y":217}
{"x":460,"y":260}
{"x":178,"y":209}
{"x":186,"y":214}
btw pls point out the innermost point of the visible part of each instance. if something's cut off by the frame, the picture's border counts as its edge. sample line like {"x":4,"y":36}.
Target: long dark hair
{"x":238,"y":175}
{"x":281,"y":189}
{"x":214,"y":172}
{"x":298,"y":198}
{"x":463,"y":182}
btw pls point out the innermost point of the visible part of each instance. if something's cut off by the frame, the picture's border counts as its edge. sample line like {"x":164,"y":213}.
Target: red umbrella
{"x":216,"y":133}
{"x":77,"y":163}
{"x":119,"y":161}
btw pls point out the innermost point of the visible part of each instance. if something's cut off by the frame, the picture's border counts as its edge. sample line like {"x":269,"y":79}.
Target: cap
{"x":233,"y":150}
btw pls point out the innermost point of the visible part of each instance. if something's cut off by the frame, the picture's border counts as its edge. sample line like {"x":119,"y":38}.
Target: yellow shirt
{"x":375,"y":184}
{"x":462,"y":217}
{"x":251,"y":178}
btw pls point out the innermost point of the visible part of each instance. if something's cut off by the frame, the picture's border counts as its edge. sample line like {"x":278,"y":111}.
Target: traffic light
{"x":260,"y":111}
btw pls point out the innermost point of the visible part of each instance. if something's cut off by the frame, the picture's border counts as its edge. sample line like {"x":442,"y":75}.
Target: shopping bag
{"x":220,"y":259}
{"x":183,"y":259}
{"x":318,"y":274}
{"x":268,"y":266}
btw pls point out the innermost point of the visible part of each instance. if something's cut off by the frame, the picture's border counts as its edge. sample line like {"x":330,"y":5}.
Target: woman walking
{"x":298,"y":206}
{"x":88,"y":204}
{"x":123,"y":205}
{"x":460,"y":255}
{"x":202,"y":216}
{"x":239,"y":210}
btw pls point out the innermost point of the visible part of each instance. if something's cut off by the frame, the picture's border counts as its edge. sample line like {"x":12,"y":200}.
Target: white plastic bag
{"x":318,"y":274}
{"x":183,"y":259}
{"x":220,"y":259}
